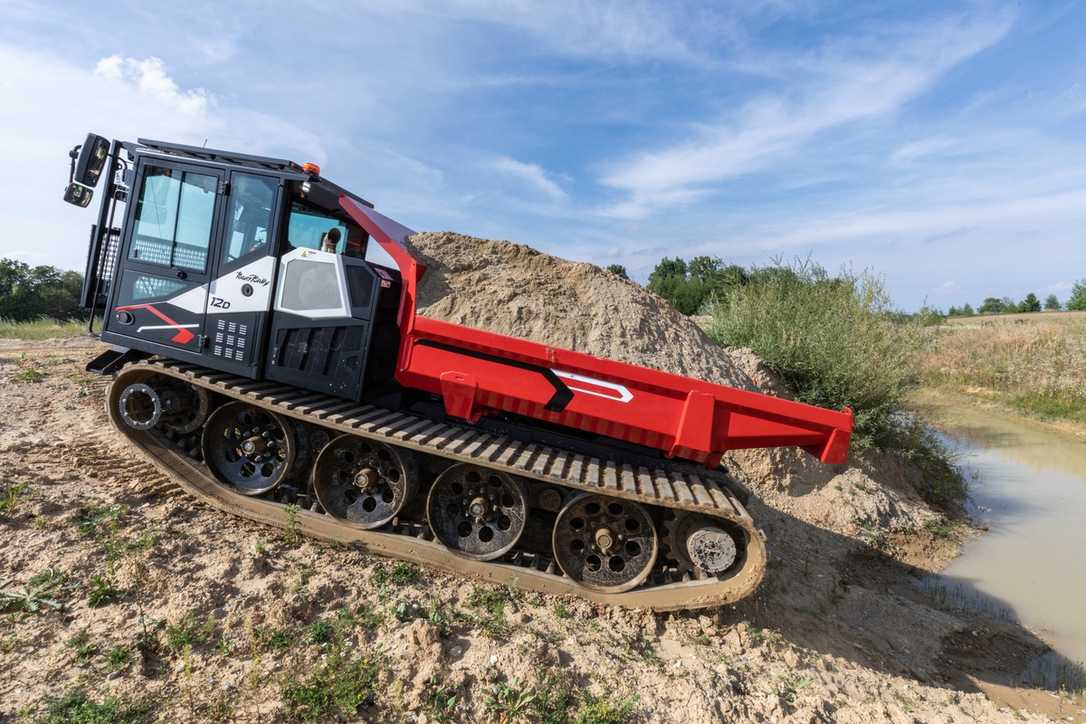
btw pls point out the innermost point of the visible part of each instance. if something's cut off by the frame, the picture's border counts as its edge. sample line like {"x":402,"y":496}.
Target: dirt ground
{"x":153,"y":606}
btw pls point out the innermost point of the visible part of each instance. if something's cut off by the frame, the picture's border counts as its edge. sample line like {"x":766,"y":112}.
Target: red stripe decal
{"x":183,"y":336}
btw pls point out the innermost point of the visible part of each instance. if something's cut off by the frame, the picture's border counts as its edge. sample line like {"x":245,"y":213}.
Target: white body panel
{"x":320,"y":257}
{"x":228,"y":291}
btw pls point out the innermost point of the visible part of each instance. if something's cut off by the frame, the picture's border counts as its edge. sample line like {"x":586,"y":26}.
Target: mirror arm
{"x":73,"y":154}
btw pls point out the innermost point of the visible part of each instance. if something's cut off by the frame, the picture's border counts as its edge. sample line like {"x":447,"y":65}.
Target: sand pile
{"x":513,"y":289}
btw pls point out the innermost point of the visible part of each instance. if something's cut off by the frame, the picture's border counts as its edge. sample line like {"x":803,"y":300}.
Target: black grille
{"x":107,"y":266}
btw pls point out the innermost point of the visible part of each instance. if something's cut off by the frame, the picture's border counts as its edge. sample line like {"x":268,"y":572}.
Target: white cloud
{"x":119,"y":98}
{"x":531,"y":174}
{"x":832,"y":87}
{"x":149,"y":76}
{"x":591,"y":28}
{"x":923,"y":148}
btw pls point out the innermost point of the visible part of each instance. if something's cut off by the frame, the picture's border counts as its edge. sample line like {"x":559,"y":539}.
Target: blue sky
{"x":942,"y":146}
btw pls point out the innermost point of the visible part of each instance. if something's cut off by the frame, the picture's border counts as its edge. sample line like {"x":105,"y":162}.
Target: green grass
{"x":490,"y":604}
{"x":441,"y":703}
{"x":555,"y":699}
{"x":76,"y":707}
{"x":43,"y":328}
{"x":118,"y":658}
{"x":11,"y":495}
{"x":292,"y":534}
{"x":789,"y":687}
{"x":491,"y":600}
{"x":336,"y":689}
{"x":45,"y":591}
{"x":396,"y":574}
{"x":96,"y":522}
{"x":29,"y":374}
{"x":188,"y":633}
{"x":101,"y":591}
{"x":320,"y":632}
{"x":84,"y":646}
{"x":274,"y":639}
{"x":940,"y":527}
{"x":605,"y":710}
{"x":510,"y":702}
{"x":941,"y":482}
{"x":1050,"y":406}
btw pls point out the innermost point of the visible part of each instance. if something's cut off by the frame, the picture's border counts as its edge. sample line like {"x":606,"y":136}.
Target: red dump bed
{"x":477,"y":372}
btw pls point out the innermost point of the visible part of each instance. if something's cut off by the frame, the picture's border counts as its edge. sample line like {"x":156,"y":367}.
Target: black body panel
{"x":350,"y":357}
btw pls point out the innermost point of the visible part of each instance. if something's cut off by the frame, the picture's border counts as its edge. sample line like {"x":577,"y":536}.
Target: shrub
{"x":1077,"y":301}
{"x":43,"y":291}
{"x":618,"y":270}
{"x":831,"y":341}
{"x":689,"y":287}
{"x":1030,"y":304}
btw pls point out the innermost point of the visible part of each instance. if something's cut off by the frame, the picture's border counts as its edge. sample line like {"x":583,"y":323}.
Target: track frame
{"x":668,"y":486}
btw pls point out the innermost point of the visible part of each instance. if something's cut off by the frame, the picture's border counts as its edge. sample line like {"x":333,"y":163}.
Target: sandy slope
{"x":837,"y":632}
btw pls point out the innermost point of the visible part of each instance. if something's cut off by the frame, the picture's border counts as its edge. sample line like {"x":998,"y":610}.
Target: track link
{"x":678,"y":487}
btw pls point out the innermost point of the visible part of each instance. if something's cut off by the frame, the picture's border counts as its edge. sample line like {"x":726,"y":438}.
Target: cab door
{"x":240,"y":294}
{"x":167,"y":260}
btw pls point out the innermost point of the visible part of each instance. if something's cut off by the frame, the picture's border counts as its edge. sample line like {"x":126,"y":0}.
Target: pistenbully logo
{"x":253,"y":279}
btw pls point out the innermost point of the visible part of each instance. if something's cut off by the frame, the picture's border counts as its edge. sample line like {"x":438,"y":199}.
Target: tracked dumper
{"x":266,"y":355}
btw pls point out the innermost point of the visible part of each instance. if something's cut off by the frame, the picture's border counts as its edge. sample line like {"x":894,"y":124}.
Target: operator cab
{"x":240,"y":263}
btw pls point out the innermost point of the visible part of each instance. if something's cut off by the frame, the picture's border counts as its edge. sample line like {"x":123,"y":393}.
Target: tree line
{"x":1076,"y":302}
{"x":28,"y":293}
{"x":691,"y":286}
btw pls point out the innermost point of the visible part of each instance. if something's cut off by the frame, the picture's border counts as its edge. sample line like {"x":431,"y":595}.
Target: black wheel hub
{"x":140,"y":406}
{"x":478,"y":513}
{"x":605,"y":544}
{"x":362,"y":481}
{"x":248,"y":448}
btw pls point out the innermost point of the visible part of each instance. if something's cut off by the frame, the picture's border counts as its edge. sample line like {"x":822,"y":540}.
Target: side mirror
{"x":78,"y":195}
{"x":92,"y":158}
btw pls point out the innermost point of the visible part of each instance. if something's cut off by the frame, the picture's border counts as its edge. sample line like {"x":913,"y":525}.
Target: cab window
{"x":174,"y":214}
{"x":307,"y":227}
{"x":249,"y":215}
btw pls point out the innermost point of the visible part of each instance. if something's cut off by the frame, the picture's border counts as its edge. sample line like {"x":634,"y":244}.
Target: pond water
{"x":1028,"y":485}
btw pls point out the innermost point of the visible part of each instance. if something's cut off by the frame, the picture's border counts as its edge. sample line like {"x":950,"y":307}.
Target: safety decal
{"x":599,"y":388}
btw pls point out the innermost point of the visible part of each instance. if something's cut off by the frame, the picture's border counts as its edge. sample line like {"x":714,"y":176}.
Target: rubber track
{"x":703,"y":491}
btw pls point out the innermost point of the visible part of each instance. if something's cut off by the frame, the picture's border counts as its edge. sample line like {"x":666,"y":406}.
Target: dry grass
{"x":1036,"y":365}
{"x":43,"y":328}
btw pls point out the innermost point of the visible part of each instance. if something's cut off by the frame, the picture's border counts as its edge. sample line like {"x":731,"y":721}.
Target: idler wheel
{"x":477,"y":513}
{"x":363,"y":482}
{"x":605,"y":544}
{"x":248,"y":448}
{"x":699,"y":543}
{"x":140,"y":406}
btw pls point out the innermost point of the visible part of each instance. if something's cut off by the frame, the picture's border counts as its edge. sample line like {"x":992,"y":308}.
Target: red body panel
{"x":477,"y":372}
